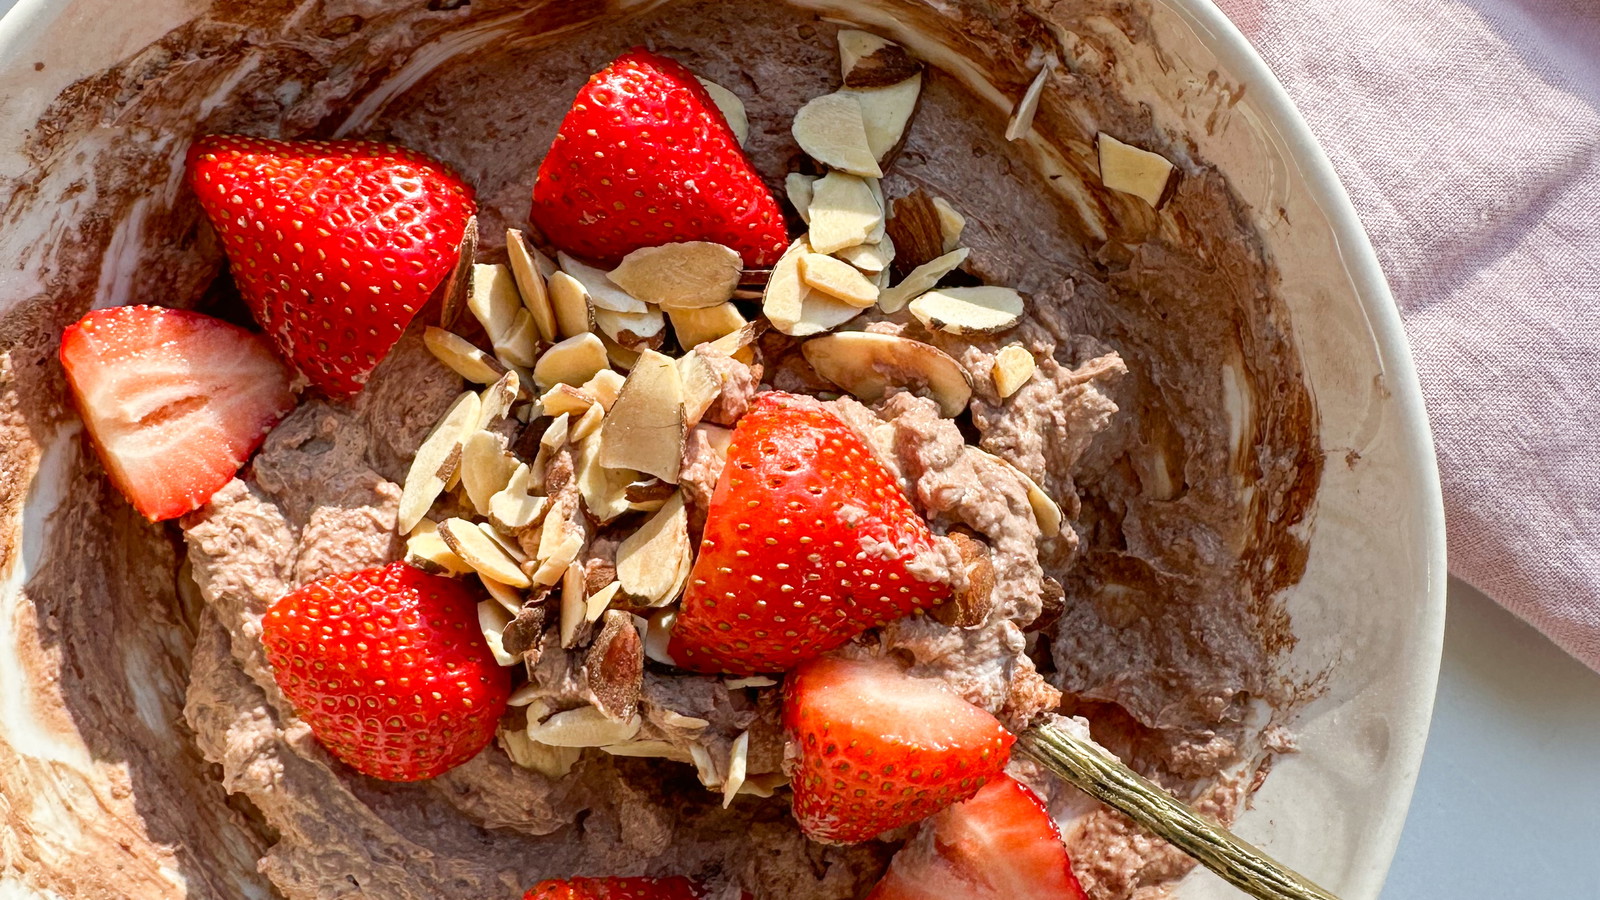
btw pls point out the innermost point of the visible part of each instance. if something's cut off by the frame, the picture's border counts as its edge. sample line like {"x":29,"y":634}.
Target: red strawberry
{"x":335,"y":245}
{"x":674,"y":888}
{"x":175,"y":401}
{"x":645,"y":158}
{"x":1000,"y":845}
{"x":389,"y":669}
{"x":806,"y":545}
{"x":880,"y":749}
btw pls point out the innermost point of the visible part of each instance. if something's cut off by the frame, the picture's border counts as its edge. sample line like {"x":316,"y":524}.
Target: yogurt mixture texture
{"x":1180,"y":489}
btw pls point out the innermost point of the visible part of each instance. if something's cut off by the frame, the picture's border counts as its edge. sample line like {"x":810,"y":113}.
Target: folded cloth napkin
{"x":1468,"y":135}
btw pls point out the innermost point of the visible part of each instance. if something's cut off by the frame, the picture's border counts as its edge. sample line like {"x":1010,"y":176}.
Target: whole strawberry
{"x":389,"y":669}
{"x":879,"y":749}
{"x":645,"y":158}
{"x":334,"y":245}
{"x":808,"y":542}
{"x":675,"y":887}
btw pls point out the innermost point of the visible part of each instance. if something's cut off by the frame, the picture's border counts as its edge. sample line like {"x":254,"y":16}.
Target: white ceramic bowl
{"x":1367,"y":614}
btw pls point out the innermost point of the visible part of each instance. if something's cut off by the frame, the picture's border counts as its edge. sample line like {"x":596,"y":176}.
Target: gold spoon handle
{"x":1108,"y":780}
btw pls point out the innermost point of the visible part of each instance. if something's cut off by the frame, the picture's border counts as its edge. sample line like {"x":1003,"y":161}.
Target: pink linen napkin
{"x":1468,"y":135}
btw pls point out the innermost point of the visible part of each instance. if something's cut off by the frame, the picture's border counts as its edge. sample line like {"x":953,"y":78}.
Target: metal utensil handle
{"x":1108,"y":780}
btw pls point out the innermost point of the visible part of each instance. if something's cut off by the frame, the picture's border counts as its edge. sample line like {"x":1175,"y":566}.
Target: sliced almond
{"x":697,"y":326}
{"x":495,"y":401}
{"x":457,"y":283}
{"x":737,"y":344}
{"x":588,"y":423}
{"x":604,"y":490}
{"x":493,"y":299}
{"x":511,"y":547}
{"x":509,"y":598}
{"x":837,"y":279}
{"x":792,"y":306}
{"x":765,"y":784}
{"x":584,"y":727}
{"x":685,"y":275}
{"x":650,"y":750}
{"x":915,"y":228}
{"x":634,"y":331}
{"x":1021,"y":121}
{"x":886,"y":112}
{"x":968,"y":310}
{"x":701,"y":386}
{"x":551,"y":569}
{"x":731,"y":107}
{"x":573,"y":606}
{"x":486,"y":467}
{"x":436,"y":460}
{"x":518,"y":346}
{"x":844,"y":212}
{"x":600,"y":601}
{"x":462,"y":356}
{"x":1132,"y":170}
{"x":602,"y":293}
{"x":603,"y":387}
{"x":482,"y":553}
{"x":866,"y":60}
{"x":492,"y":622}
{"x":1013,"y":366}
{"x":951,"y":224}
{"x":921,"y":280}
{"x":738,"y":763}
{"x":645,"y":429}
{"x":870,"y":258}
{"x":799,"y":188}
{"x":868,"y":365}
{"x":572,"y":361}
{"x":658,"y":635}
{"x":881,"y":230}
{"x":571,"y":304}
{"x":831,"y":129}
{"x":623,"y":358}
{"x":516,"y":507}
{"x":750,"y":681}
{"x":705,"y":767}
{"x":653,"y":562}
{"x":564,"y":399}
{"x":431,"y":554}
{"x":528,"y":270}
{"x":1046,"y":512}
{"x":551,"y":762}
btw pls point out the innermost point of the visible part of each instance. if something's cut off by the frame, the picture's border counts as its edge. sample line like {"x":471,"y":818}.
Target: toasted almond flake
{"x":685,"y":275}
{"x":837,"y":279}
{"x":600,"y":601}
{"x":584,"y":727}
{"x":486,"y":467}
{"x":460,"y":277}
{"x":604,"y":387}
{"x":624,"y":358}
{"x":650,"y":750}
{"x":921,"y":280}
{"x":765,"y":784}
{"x":1133,"y":170}
{"x":461,"y":356}
{"x":519,"y":346}
{"x":705,"y":767}
{"x":1021,"y":121}
{"x":968,"y":310}
{"x":493,"y":299}
{"x":481,"y":552}
{"x":564,"y":399}
{"x":645,"y":429}
{"x":492,"y":622}
{"x":751,"y":681}
{"x":551,"y":569}
{"x":528,"y":271}
{"x":604,"y":490}
{"x":572,"y":361}
{"x":701,"y":386}
{"x":571,"y":304}
{"x":799,"y":187}
{"x":951,"y":223}
{"x":551,"y":762}
{"x":674,"y":719}
{"x":731,"y":107}
{"x":509,"y":598}
{"x":658,"y":635}
{"x":436,"y":460}
{"x":793,"y":307}
{"x":1013,"y":366}
{"x":495,"y":401}
{"x":868,"y":365}
{"x":557,"y":433}
{"x":573,"y":605}
{"x":602,"y":293}
{"x":886,"y":112}
{"x":869,"y":61}
{"x":511,"y":547}
{"x":528,"y":695}
{"x":431,"y":554}
{"x":870,"y":258}
{"x":738,"y":761}
{"x":844,"y":212}
{"x":1046,"y":512}
{"x":633,"y":331}
{"x":650,"y":560}
{"x":588,"y":423}
{"x":697,"y":326}
{"x":832,"y":131}
{"x":856,"y":45}
{"x":516,"y":507}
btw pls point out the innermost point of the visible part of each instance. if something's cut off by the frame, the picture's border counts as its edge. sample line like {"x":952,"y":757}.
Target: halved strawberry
{"x":645,"y":158}
{"x":389,"y":669}
{"x":807,"y":543}
{"x":879,"y":749}
{"x":335,"y":245}
{"x":1000,"y":845}
{"x":174,"y":401}
{"x":675,"y":887}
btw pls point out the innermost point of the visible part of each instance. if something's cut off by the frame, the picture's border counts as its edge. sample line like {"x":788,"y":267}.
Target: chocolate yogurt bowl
{"x":1254,"y":609}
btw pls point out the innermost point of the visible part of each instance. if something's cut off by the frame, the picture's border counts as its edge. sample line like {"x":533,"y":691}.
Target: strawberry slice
{"x":389,"y":669}
{"x":645,"y":158}
{"x":674,"y":888}
{"x":880,"y":749}
{"x":807,"y":543}
{"x":1000,"y":845}
{"x":334,"y":245}
{"x":174,"y":401}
